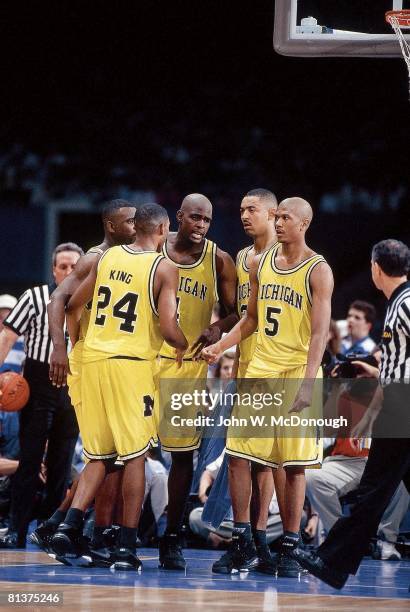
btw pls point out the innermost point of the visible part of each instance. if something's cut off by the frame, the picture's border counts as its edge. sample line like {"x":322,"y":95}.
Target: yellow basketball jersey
{"x":247,"y":346}
{"x":85,"y":315}
{"x":124,"y":320}
{"x":196,"y":296}
{"x":284,"y":305}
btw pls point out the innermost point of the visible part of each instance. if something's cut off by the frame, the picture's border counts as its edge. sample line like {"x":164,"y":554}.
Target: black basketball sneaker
{"x":170,"y":553}
{"x":241,"y":556}
{"x":125,"y":559}
{"x":267,"y":563}
{"x":42,"y":536}
{"x":70,"y":546}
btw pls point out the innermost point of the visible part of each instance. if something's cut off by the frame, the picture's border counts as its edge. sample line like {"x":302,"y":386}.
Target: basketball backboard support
{"x":311,"y":38}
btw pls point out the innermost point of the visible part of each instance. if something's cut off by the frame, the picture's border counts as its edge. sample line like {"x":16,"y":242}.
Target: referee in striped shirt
{"x":387,"y":416}
{"x":48,"y":418}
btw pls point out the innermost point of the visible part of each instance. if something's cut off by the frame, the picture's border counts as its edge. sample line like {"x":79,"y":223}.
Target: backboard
{"x":336,"y":28}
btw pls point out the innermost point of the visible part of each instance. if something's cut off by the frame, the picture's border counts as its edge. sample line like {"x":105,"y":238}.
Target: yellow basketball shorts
{"x":74,"y":374}
{"x":74,"y":378}
{"x":287,"y":445}
{"x":117,"y":408}
{"x":171,"y":379}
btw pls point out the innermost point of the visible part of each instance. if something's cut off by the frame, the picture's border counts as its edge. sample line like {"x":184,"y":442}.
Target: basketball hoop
{"x":399,"y":21}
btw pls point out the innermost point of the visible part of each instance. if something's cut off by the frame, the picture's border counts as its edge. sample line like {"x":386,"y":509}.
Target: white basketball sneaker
{"x":388,"y":551}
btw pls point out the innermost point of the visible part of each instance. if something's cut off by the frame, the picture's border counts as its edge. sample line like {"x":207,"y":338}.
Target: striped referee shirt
{"x":29,"y":318}
{"x":395,"y":361}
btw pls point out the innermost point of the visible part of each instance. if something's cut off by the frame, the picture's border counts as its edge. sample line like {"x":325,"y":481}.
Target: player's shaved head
{"x":148,"y":217}
{"x":194,"y":218}
{"x":194,"y":200}
{"x":110,"y":208}
{"x":299,"y":207}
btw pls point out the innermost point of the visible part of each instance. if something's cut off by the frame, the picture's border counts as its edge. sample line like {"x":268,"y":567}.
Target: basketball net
{"x":399,"y":21}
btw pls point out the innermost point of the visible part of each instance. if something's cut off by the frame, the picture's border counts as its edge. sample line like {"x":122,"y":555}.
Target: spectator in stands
{"x":15,"y":358}
{"x":360,"y":318}
{"x":223,"y":369}
{"x":9,"y":462}
{"x":9,"y":453}
{"x":333,"y":339}
{"x":48,"y":419}
{"x":9,"y":444}
{"x":333,"y":348}
{"x":78,"y":459}
{"x":156,"y":490}
{"x":9,"y":421}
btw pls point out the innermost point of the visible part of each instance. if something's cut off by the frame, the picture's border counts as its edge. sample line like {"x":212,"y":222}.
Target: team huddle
{"x":138,"y":309}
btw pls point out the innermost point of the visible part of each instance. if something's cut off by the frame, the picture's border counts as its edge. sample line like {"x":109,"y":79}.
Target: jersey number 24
{"x":124,"y":309}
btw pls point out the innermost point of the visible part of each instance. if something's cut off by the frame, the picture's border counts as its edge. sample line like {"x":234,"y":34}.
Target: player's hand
{"x":334,"y":372}
{"x":211,"y":354}
{"x":43,"y":473}
{"x":203,"y":498}
{"x":179,"y":357}
{"x":366,"y":370}
{"x":311,"y":526}
{"x":209,"y":336}
{"x":363,"y":429}
{"x":58,"y":366}
{"x":303,"y":398}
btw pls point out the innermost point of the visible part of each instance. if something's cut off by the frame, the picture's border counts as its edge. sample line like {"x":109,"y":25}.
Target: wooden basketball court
{"x":379,"y":585}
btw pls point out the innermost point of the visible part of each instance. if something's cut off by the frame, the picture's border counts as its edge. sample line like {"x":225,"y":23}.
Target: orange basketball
{"x":14,"y":391}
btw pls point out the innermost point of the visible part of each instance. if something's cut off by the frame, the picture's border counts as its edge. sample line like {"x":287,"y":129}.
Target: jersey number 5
{"x":272,"y":320}
{"x":124,"y":309}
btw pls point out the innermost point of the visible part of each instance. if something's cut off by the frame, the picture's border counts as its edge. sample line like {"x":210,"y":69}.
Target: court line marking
{"x":150,"y":588}
{"x":365,"y":563}
{"x":196,"y":578}
{"x":207,"y":579}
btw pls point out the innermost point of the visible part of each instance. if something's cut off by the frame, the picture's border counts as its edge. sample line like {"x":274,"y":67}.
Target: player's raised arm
{"x":78,"y":300}
{"x":56,"y":318}
{"x":321,"y":283}
{"x":245,"y":327}
{"x":165,"y":291}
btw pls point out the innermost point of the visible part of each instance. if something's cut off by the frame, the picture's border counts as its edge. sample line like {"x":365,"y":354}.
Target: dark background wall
{"x":132,"y":98}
